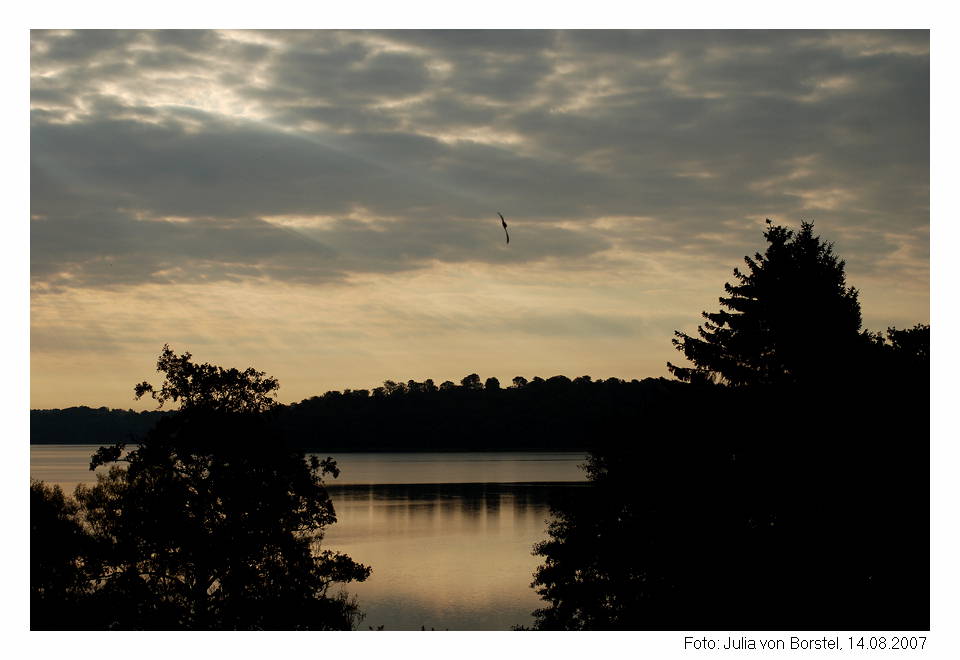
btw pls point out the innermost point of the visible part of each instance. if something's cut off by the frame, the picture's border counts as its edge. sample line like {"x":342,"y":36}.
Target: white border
{"x":284,"y":14}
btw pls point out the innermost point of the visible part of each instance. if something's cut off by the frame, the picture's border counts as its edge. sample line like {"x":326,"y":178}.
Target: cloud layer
{"x":320,"y":157}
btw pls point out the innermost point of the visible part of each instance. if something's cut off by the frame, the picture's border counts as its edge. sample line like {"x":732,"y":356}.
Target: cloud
{"x":164,"y":154}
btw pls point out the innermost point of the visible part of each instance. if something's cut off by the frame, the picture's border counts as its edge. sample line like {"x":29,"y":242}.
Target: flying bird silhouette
{"x":504,"y":226}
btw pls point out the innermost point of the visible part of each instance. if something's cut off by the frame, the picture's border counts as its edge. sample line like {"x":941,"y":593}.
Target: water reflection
{"x":425,"y":507}
{"x":447,"y":556}
{"x":457,"y":467}
{"x":449,"y":535}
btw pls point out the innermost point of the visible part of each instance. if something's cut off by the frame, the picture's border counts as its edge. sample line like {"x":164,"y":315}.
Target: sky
{"x":322,"y":205}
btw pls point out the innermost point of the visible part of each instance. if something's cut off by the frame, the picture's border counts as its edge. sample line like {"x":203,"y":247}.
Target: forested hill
{"x":556,"y":413}
{"x":84,"y":425}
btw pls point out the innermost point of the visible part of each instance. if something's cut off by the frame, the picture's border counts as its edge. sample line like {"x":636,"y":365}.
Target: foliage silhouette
{"x":793,"y":493}
{"x":91,"y":426}
{"x":912,"y":343}
{"x":216,"y":522}
{"x":209,"y":388}
{"x":790,"y":318}
{"x":554,"y":413}
{"x":60,"y":558}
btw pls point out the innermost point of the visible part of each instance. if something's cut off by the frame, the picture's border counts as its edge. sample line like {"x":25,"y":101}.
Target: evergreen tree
{"x":789,"y":318}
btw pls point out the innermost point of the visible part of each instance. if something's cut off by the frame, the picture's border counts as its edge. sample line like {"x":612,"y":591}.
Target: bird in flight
{"x":504,"y":226}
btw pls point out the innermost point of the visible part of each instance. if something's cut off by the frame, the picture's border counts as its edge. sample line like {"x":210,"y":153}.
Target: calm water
{"x":449,"y":535}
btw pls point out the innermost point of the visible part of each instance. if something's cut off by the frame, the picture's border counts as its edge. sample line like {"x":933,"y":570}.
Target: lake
{"x":449,"y":535}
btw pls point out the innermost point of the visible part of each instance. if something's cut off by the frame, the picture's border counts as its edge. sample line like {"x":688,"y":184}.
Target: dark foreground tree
{"x":61,"y":552}
{"x":674,"y":531}
{"x":214,"y":522}
{"x":776,"y":510}
{"x":789,"y":318}
{"x":769,"y":504}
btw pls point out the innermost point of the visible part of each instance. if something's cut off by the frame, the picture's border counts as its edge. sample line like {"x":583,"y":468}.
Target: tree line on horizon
{"x":551,"y":413}
{"x":780,"y":482}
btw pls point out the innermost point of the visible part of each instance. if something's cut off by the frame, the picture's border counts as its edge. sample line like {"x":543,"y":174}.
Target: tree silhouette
{"x":766,"y":504}
{"x":774,"y":511}
{"x":471,"y":382}
{"x":790,"y":317}
{"x":61,"y":559}
{"x":208,"y":387}
{"x":910,"y":349}
{"x":215,"y":523}
{"x":914,"y":341}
